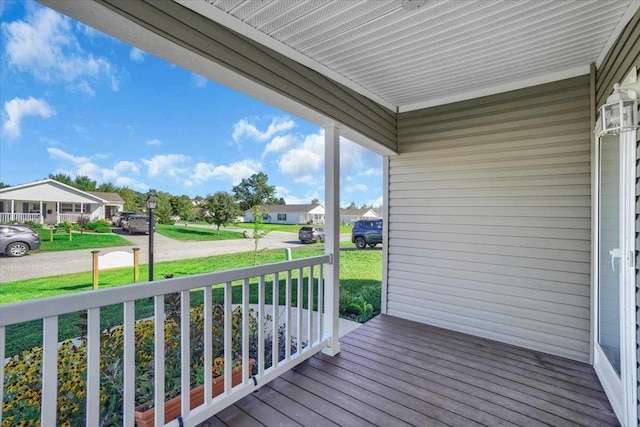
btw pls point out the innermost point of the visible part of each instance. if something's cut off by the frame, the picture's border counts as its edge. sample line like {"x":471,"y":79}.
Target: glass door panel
{"x":610,"y":249}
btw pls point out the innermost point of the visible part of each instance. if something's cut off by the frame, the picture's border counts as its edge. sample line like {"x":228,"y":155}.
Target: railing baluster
{"x":228,"y":344}
{"x":245,"y":330}
{"x":208,"y":344}
{"x":299,"y":319}
{"x":275,"y":300}
{"x":158,"y":373}
{"x":93,"y":367}
{"x":49,"y":407}
{"x":185,"y":353}
{"x":320,"y":300}
{"x":261,"y":320}
{"x":2,"y":353}
{"x":310,"y":306}
{"x":129,"y":363}
{"x":287,"y":316}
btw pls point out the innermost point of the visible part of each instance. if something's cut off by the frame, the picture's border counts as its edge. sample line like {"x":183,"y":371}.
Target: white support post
{"x":57,"y":212}
{"x":385,"y":234}
{"x":13,"y":210}
{"x":41,"y":218}
{"x":332,"y":236}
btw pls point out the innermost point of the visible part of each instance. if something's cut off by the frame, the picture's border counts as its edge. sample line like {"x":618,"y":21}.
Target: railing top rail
{"x":55,"y":306}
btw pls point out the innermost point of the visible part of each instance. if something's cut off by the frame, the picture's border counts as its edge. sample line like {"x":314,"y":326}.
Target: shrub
{"x":23,"y":372}
{"x":92,"y":225}
{"x":361,"y":305}
{"x":33,"y":224}
{"x":103,"y":229}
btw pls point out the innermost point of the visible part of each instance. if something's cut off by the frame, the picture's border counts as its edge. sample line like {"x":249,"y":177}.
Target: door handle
{"x":615,"y":253}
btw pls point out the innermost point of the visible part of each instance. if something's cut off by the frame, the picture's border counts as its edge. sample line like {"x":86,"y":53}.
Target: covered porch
{"x":395,"y":372}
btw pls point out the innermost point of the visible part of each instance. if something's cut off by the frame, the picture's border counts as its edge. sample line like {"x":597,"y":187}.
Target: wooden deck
{"x":393,"y":372}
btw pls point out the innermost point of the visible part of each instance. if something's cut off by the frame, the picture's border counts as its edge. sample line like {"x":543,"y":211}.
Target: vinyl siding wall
{"x":489,"y":217}
{"x":623,"y":55}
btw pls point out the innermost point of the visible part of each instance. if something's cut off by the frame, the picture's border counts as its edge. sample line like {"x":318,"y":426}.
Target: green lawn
{"x":358,"y":269}
{"x":291,"y":228}
{"x":180,"y":232}
{"x":86,"y":240}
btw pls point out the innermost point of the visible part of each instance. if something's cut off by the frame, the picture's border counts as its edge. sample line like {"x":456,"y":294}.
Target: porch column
{"x":57,"y":212}
{"x":41,"y":218}
{"x":13,"y":210}
{"x":332,"y":236}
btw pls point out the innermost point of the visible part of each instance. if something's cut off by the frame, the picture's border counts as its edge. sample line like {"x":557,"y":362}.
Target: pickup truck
{"x":136,"y":224}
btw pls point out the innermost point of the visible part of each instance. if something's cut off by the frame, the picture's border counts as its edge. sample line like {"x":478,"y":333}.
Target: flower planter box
{"x":172,"y":407}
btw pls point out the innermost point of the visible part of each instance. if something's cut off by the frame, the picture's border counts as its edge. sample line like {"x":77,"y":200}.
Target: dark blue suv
{"x":367,"y":232}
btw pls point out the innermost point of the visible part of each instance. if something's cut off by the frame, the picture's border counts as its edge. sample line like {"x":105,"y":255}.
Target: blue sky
{"x":80,"y":102}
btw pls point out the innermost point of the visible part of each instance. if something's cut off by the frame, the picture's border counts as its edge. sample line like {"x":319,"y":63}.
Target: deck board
{"x":394,"y":372}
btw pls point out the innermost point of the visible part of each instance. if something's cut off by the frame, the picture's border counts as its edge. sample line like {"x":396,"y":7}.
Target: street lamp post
{"x":151,"y":205}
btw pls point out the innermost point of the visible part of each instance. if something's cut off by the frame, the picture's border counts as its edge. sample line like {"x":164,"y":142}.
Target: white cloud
{"x":304,"y":162}
{"x":136,"y":55}
{"x":293,"y":200}
{"x":198,"y":80}
{"x":245,"y":128}
{"x":155,"y":142}
{"x":371,"y":172}
{"x":18,"y":108}
{"x":44,"y":45}
{"x":357,"y":187}
{"x":235,"y":171}
{"x":82,"y":165}
{"x":166,"y":164}
{"x":279,"y":143}
{"x":79,"y":129}
{"x":375,"y":202}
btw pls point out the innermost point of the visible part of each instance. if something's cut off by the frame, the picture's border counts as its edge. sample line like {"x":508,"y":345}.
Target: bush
{"x":361,"y":305}
{"x":33,"y":224}
{"x":92,"y":225}
{"x":103,"y":229}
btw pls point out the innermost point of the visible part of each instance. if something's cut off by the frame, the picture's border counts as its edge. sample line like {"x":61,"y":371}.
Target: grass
{"x":291,"y":228}
{"x":358,"y":269}
{"x":86,"y":240}
{"x":180,"y":232}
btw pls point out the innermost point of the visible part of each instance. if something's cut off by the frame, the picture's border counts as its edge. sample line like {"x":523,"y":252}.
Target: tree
{"x":107,"y":187}
{"x":3,"y":185}
{"x":222,"y":208}
{"x":253,"y":191}
{"x":315,"y":201}
{"x":258,"y":229}
{"x":84,"y":183}
{"x":182,"y":206}
{"x":129,"y":196}
{"x":163,"y":208}
{"x":63,"y":178}
{"x":352,"y":205}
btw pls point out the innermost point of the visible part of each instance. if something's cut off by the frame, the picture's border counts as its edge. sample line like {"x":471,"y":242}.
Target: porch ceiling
{"x":445,"y":51}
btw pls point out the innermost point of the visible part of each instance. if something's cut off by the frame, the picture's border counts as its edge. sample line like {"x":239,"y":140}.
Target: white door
{"x":614,"y":341}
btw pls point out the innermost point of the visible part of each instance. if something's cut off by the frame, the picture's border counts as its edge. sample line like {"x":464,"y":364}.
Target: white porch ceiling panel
{"x":439,"y":52}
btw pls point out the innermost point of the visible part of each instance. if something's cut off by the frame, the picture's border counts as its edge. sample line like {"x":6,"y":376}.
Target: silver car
{"x":18,"y":240}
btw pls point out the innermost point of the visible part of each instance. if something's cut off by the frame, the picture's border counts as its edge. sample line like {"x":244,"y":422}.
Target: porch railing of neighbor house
{"x":300,"y":275}
{"x":70,"y":217}
{"x":6,"y":217}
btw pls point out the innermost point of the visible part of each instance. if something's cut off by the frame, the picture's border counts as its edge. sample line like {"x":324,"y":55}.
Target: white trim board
{"x":520,"y":84}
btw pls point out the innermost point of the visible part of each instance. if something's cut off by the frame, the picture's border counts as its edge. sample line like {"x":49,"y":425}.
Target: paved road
{"x":165,"y":249}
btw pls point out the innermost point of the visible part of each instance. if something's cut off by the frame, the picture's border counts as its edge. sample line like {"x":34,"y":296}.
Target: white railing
{"x":70,"y":217}
{"x":309,"y":340}
{"x":7,"y":217}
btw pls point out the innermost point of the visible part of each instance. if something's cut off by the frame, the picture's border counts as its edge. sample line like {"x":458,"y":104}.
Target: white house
{"x":349,"y":216}
{"x":289,"y":214}
{"x":51,"y":202}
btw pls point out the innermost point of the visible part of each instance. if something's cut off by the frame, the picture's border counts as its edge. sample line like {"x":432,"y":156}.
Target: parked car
{"x":366,"y":232}
{"x":311,"y":234}
{"x":136,"y":224}
{"x":119,"y":217}
{"x":18,"y":240}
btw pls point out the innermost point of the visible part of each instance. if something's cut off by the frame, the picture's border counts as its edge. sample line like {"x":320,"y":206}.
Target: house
{"x":51,"y":202}
{"x":509,"y":264}
{"x":289,"y":214}
{"x":349,"y":216}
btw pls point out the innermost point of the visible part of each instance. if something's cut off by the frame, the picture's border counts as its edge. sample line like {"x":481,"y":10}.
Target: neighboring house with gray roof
{"x":50,"y":202}
{"x":289,"y":214}
{"x":349,"y":216}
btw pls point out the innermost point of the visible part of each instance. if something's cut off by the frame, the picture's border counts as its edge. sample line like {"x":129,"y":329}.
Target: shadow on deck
{"x":393,"y":372}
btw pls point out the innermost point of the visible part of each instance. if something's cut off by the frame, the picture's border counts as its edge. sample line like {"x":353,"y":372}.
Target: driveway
{"x":165,"y":249}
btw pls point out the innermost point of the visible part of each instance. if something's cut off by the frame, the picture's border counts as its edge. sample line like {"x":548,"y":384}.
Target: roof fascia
{"x":626,"y":17}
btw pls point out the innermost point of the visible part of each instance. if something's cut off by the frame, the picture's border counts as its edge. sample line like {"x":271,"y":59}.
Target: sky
{"x":77,"y":101}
